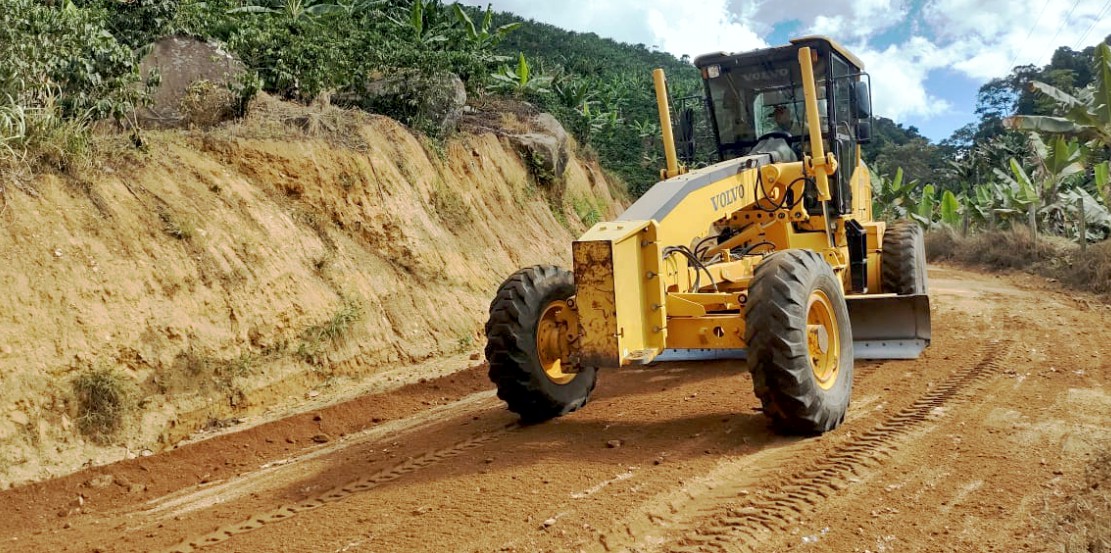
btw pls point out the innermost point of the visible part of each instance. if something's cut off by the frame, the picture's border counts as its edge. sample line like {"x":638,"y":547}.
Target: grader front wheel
{"x":800,"y":346}
{"x":527,"y":342}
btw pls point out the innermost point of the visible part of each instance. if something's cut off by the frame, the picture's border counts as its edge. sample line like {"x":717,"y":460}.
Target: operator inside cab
{"x":756,"y":105}
{"x":784,"y":122}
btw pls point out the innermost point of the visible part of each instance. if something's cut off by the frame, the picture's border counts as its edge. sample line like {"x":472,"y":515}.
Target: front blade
{"x":889,"y":327}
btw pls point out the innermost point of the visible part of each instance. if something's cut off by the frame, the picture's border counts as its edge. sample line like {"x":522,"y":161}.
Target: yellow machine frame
{"x":633,"y":302}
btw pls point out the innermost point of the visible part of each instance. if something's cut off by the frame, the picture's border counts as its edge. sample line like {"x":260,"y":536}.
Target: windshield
{"x":751,"y":100}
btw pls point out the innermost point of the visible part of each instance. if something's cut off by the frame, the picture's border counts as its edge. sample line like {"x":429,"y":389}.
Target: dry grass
{"x":104,"y":398}
{"x":331,"y":332}
{"x":1083,"y":524}
{"x":270,"y":118}
{"x":449,"y":204}
{"x":1010,"y":250}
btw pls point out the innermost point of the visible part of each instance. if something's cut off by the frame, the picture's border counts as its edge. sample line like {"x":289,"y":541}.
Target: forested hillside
{"x":1038,"y":151}
{"x":599,"y":89}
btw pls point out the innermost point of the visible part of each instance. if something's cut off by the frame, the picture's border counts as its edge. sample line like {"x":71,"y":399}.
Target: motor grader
{"x":770,"y":255}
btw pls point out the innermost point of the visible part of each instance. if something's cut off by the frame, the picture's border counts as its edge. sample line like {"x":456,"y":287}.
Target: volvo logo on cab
{"x":728,"y":197}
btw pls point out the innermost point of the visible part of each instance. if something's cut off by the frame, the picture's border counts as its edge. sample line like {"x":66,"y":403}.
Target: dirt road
{"x":977,"y":446}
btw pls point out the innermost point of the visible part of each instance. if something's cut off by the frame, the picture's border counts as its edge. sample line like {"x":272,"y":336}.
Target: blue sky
{"x":927,"y":58}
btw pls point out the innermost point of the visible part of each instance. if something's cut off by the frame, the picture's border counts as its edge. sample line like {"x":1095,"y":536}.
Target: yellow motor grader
{"x":770,"y":255}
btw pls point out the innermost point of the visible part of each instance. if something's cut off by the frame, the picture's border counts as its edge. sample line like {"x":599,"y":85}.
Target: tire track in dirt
{"x":190,"y":500}
{"x":339,"y":493}
{"x":721,"y":527}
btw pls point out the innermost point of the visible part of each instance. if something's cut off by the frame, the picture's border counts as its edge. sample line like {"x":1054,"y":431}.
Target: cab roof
{"x":716,"y":57}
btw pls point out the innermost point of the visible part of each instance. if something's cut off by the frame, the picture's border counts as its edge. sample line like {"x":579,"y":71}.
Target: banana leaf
{"x":950,"y":209}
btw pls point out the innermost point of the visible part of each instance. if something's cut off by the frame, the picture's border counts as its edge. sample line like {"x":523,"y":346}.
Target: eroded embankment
{"x":227,"y":272}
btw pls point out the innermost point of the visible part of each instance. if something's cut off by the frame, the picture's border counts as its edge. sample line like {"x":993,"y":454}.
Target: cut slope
{"x":235,"y":270}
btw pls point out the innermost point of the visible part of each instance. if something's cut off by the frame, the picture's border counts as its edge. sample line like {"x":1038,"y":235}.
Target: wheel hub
{"x":553,"y":341}
{"x":823,"y":339}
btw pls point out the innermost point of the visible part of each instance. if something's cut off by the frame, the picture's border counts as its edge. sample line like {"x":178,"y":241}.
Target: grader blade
{"x":889,"y":327}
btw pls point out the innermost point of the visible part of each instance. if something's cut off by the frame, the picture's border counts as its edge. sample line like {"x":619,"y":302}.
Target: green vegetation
{"x":70,"y":64}
{"x":1040,"y":145}
{"x":588,"y":210}
{"x":601,"y":91}
{"x":1038,"y":158}
{"x":315,"y":338}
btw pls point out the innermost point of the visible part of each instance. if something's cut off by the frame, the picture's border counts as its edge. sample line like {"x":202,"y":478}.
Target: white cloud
{"x":691,"y":27}
{"x":695,"y":27}
{"x":986,"y":38}
{"x":842,"y":19}
{"x":982,"y":39}
{"x":899,"y":75}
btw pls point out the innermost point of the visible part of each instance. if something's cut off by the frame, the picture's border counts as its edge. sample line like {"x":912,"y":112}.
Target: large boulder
{"x":546,"y":148}
{"x":193,"y":90}
{"x":430,"y":102}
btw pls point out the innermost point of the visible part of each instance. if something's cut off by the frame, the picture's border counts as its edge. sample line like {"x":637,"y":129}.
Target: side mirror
{"x":863,"y":132}
{"x":862,"y":104}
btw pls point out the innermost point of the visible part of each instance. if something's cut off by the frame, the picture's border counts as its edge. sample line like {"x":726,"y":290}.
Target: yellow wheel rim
{"x":552,"y":343}
{"x":823,"y":339}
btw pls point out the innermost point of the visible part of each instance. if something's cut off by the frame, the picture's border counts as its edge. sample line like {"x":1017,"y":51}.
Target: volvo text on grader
{"x":771,"y":254}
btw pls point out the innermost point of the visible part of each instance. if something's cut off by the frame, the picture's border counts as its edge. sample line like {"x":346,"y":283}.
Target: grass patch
{"x":316,"y":338}
{"x":464,"y":343}
{"x":268,"y":117}
{"x":104,"y":399}
{"x":177,"y":227}
{"x":588,"y":210}
{"x":557,"y":211}
{"x":538,"y":168}
{"x":525,"y":193}
{"x":1016,"y":249}
{"x":1083,"y":525}
{"x":450,"y":205}
{"x":38,"y":137}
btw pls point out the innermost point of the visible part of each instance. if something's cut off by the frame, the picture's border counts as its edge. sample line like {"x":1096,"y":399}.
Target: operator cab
{"x":756,"y":105}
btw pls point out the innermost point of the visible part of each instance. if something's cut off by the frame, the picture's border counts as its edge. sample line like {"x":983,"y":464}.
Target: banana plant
{"x":1055,"y":163}
{"x":646,"y":129}
{"x":1103,"y":182}
{"x":520,"y":81}
{"x":420,"y":21}
{"x":924,"y":212}
{"x":295,"y":10}
{"x":950,"y":209}
{"x":1087,"y":114}
{"x":1017,"y":194}
{"x":573,"y":92}
{"x":482,"y":37}
{"x":892,"y":198}
{"x":1061,"y":216}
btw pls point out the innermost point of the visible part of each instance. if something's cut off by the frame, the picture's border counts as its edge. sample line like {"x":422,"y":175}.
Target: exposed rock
{"x":194,"y":83}
{"x":546,"y":148}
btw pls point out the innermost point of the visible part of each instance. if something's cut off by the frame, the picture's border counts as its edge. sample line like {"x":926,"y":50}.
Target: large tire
{"x":803,"y":388}
{"x":512,"y":351}
{"x":903,"y":262}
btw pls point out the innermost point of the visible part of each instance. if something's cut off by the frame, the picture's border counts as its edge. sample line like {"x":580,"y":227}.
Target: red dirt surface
{"x":976,"y":446}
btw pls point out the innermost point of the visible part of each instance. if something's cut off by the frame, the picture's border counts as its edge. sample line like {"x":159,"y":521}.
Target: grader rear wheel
{"x":800,"y":347}
{"x":527,"y":340}
{"x":903,"y":264}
